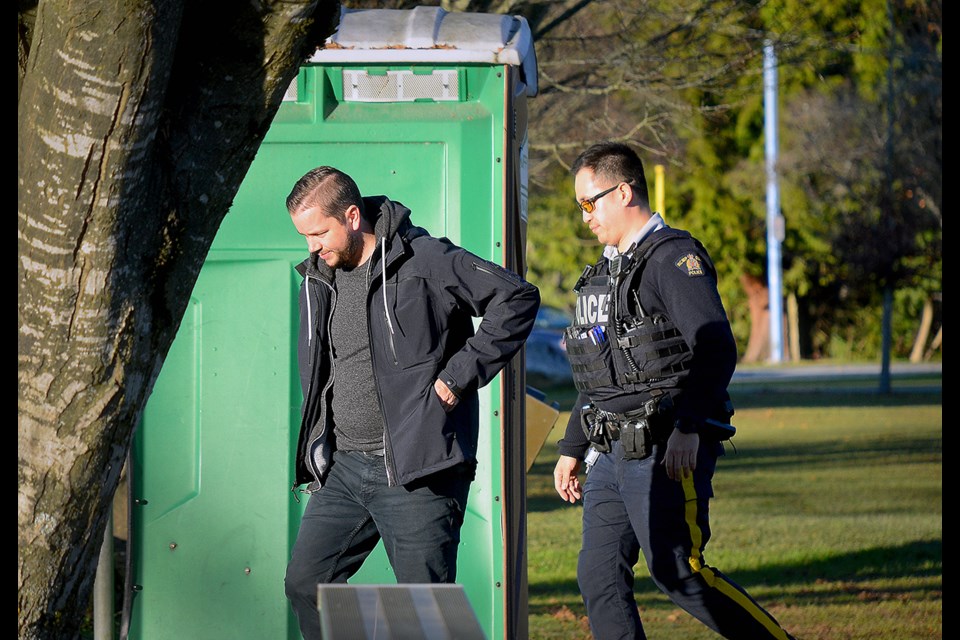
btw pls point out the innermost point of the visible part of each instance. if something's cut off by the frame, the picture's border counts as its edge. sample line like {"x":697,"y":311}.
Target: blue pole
{"x":775,"y":222}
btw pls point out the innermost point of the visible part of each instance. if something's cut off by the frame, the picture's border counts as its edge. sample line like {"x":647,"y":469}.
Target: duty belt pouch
{"x":594,"y":429}
{"x":660,"y":416}
{"x":636,"y":439}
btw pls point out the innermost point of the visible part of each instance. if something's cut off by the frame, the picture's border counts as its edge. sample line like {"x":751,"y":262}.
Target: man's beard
{"x":349,"y":258}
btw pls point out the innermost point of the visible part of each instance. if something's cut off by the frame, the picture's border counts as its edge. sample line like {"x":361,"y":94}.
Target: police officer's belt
{"x":638,"y":431}
{"x":614,"y":424}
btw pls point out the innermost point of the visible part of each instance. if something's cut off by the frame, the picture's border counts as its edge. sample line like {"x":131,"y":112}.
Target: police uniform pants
{"x":631,"y":506}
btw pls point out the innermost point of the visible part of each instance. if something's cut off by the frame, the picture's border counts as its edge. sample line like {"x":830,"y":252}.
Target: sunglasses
{"x":588,"y":205}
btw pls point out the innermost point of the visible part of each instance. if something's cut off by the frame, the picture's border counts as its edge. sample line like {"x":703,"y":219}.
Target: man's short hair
{"x":328,"y":188}
{"x":614,"y":162}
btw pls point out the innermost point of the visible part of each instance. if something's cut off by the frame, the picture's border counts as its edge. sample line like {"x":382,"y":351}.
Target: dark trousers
{"x":419,"y":524}
{"x":631,"y":506}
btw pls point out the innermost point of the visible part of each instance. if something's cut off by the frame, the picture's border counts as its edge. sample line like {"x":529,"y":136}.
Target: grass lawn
{"x":828,"y":510}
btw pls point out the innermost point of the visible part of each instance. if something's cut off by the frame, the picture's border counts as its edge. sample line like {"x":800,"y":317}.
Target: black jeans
{"x":419,"y":524}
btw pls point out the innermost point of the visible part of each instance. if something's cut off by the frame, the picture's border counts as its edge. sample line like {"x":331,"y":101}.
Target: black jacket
{"x":679,"y":281}
{"x":420,"y":323}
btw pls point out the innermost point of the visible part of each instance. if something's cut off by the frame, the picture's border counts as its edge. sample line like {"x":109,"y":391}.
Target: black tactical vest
{"x":613,"y":346}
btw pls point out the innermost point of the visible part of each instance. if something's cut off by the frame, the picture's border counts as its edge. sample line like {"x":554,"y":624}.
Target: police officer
{"x":652,"y":354}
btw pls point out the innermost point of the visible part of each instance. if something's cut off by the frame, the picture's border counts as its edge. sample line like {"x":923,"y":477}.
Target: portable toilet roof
{"x":431,"y":35}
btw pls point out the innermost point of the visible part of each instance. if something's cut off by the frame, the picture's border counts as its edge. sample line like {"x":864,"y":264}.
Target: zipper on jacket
{"x":309,"y":317}
{"x":477,"y":267}
{"x":323,"y":393}
{"x":383,"y":291}
{"x":393,"y":351}
{"x":311,"y":332}
{"x":387,"y":447}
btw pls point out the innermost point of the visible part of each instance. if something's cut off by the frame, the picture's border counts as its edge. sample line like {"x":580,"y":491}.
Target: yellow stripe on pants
{"x":713,"y":580}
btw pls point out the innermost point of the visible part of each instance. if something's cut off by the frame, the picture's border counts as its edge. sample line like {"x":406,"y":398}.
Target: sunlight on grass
{"x":828,"y":510}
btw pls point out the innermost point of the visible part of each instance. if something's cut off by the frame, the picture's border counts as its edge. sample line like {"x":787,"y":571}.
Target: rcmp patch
{"x":690,"y":264}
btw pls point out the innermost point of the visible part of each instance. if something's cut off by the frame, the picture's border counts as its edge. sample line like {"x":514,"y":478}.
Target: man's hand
{"x":565,"y":479}
{"x":681,"y":455}
{"x":447,"y":398}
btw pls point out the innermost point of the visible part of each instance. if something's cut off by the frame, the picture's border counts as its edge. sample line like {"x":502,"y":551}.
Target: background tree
{"x":137,"y":121}
{"x":559,"y":245}
{"x":863,"y":160}
{"x":860,"y":94}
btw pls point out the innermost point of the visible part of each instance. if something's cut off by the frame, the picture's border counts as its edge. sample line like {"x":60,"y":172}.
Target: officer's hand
{"x":681,"y":456}
{"x":565,"y":479}
{"x":447,"y":398}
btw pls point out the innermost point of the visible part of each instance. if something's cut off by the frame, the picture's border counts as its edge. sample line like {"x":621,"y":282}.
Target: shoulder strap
{"x":644,"y":251}
{"x":637,"y":258}
{"x":654,"y":240}
{"x":588,"y":272}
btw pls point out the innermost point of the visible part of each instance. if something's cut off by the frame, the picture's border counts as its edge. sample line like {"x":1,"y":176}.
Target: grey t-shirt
{"x":358,"y":423}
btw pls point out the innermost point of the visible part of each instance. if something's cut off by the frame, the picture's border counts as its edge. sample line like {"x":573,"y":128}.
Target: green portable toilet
{"x":429,"y":108}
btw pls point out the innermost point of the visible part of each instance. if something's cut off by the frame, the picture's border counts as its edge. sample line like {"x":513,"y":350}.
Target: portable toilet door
{"x":427,"y":107}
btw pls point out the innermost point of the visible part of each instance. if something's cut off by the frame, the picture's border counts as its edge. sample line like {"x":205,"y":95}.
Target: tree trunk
{"x":793,"y":326}
{"x":758,"y":346}
{"x":935,"y":345}
{"x":886,"y":334}
{"x":137,"y":121}
{"x":923,"y":333}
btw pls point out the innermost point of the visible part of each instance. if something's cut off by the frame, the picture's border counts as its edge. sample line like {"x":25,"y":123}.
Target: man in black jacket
{"x":652,"y":354}
{"x":390,"y":365}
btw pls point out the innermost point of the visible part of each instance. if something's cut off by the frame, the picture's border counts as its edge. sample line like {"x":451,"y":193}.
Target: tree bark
{"x":935,"y":345}
{"x":793,"y":326}
{"x":923,"y":333}
{"x":137,"y":121}
{"x":758,"y":345}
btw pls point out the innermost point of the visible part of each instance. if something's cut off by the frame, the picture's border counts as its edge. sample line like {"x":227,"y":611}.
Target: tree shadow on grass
{"x":801,"y":396}
{"x":824,"y":454}
{"x":786,"y":459}
{"x":830,"y":581}
{"x":826,"y":394}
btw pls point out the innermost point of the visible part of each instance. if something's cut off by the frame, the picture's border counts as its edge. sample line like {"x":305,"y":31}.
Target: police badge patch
{"x":690,"y":264}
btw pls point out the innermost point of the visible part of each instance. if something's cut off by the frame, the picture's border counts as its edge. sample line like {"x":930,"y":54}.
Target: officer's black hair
{"x":615,"y":162}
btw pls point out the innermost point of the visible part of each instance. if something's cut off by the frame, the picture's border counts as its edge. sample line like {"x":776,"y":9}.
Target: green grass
{"x":828,"y":510}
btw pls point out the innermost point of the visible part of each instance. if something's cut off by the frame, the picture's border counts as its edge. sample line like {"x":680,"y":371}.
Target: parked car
{"x":547,"y":364}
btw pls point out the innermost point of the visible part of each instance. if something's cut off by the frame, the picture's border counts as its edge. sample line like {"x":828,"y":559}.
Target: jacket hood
{"x":390,"y":220}
{"x":388,"y":217}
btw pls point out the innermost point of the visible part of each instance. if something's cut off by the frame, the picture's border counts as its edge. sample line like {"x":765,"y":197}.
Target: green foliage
{"x":860,"y":150}
{"x":856,"y":334}
{"x":850,"y":227}
{"x":559,"y":245}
